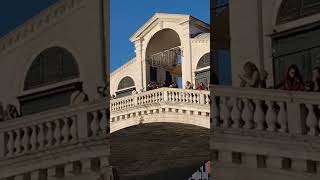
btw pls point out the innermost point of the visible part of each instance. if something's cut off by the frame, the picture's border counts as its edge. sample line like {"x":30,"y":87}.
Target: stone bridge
{"x":160,"y":134}
{"x":161,"y":105}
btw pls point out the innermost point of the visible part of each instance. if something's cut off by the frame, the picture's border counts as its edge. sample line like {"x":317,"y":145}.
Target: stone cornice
{"x":155,"y":19}
{"x":39,"y":22}
{"x":123,"y":67}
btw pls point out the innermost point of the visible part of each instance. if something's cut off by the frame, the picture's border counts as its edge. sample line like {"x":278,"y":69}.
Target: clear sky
{"x":128,"y":15}
{"x":15,"y":12}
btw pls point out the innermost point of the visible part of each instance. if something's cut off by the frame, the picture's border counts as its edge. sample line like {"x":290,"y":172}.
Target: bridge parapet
{"x":266,"y":110}
{"x":265,"y":128}
{"x":66,"y":133}
{"x":171,"y":95}
{"x":161,"y":105}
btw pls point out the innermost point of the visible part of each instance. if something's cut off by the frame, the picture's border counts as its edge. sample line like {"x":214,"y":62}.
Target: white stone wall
{"x":199,"y":47}
{"x":131,"y":69}
{"x":73,"y":25}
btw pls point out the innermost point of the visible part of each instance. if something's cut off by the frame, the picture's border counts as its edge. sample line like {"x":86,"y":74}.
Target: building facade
{"x":267,"y":133}
{"x":168,"y":47}
{"x":53,"y":122}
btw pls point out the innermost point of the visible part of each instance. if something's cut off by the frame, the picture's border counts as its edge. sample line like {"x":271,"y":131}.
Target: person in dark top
{"x":316,"y":79}
{"x":201,"y":86}
{"x":292,"y":81}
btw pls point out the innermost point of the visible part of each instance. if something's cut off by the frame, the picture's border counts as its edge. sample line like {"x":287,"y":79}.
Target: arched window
{"x":53,"y":65}
{"x":294,"y":9}
{"x":203,"y":70}
{"x":204,"y":61}
{"x":126,"y":82}
{"x":125,"y":87}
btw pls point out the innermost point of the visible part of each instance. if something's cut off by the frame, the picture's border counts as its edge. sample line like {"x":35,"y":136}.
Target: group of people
{"x":200,"y":86}
{"x":292,"y":80}
{"x":155,"y":85}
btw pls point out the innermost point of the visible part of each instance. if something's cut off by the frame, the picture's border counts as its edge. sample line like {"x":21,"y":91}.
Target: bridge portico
{"x":167,"y":49}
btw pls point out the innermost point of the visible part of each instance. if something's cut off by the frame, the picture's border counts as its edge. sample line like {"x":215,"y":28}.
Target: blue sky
{"x":128,"y":15}
{"x":15,"y":12}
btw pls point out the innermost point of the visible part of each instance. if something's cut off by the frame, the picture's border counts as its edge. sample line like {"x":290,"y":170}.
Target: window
{"x":51,"y":66}
{"x":203,"y":70}
{"x":125,"y":87}
{"x":301,"y":49}
{"x":204,"y":61}
{"x":294,"y":9}
{"x":126,"y":82}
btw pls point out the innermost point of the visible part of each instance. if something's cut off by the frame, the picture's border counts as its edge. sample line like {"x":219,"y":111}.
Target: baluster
{"x":65,"y":130}
{"x":41,"y":136}
{"x":247,"y":114}
{"x":180,"y":96}
{"x":49,"y":134}
{"x":259,"y":115}
{"x":17,"y":142}
{"x":208,"y":99}
{"x":312,"y":121}
{"x":10,"y":145}
{"x":271,"y":116}
{"x":235,"y":113}
{"x":103,"y":122}
{"x":192,"y":98}
{"x":282,"y":117}
{"x":215,"y":113}
{"x":225,"y":112}
{"x":25,"y":140}
{"x":73,"y":128}
{"x":33,"y":138}
{"x":57,"y":132}
{"x":94,"y":124}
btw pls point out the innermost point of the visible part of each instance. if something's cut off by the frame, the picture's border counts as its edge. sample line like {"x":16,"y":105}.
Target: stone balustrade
{"x":51,"y":131}
{"x":170,"y":105}
{"x":169,"y":95}
{"x":266,"y":110}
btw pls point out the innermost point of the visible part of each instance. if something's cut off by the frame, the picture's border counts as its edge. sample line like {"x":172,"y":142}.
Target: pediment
{"x":160,"y":18}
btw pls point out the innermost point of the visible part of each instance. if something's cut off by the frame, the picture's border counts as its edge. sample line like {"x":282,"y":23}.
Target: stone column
{"x":186,"y":55}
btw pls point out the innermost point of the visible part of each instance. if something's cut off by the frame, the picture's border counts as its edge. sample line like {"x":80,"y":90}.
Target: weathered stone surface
{"x":159,"y":151}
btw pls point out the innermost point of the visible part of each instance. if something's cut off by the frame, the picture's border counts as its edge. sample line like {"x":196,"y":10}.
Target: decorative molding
{"x":123,"y":67}
{"x":39,"y":22}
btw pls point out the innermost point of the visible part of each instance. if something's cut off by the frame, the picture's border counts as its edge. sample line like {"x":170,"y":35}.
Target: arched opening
{"x":298,"y":47}
{"x":125,"y":87}
{"x":294,"y":9}
{"x":163,"y":57}
{"x":54,"y":65}
{"x":202,"y":73}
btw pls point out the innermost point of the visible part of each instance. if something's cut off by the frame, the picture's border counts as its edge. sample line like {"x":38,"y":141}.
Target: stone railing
{"x":170,"y":95}
{"x":266,"y":110}
{"x":53,"y":129}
